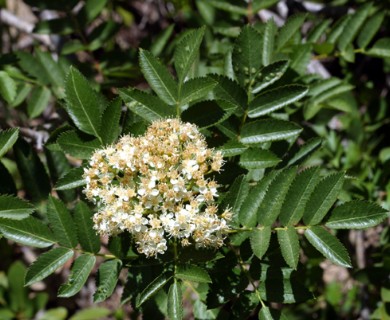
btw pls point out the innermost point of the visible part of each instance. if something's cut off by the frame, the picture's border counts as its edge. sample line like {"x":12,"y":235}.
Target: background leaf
{"x":7,"y":87}
{"x":38,"y":102}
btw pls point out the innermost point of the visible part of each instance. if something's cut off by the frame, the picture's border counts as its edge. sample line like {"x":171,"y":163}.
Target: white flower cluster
{"x":154,"y":186}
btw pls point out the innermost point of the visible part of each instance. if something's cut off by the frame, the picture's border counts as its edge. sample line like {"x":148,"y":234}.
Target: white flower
{"x":154,"y":187}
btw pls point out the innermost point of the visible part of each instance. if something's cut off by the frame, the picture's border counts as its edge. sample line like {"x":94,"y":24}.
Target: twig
{"x":12,"y":20}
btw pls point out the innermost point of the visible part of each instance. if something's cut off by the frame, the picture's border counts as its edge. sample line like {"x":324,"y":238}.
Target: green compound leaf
{"x":91,"y":313}
{"x":338,"y":29}
{"x":46,"y":264}
{"x":83,"y":104}
{"x":292,"y":25}
{"x":305,"y":151}
{"x":38,"y":102}
{"x":271,"y":314}
{"x":111,"y":128}
{"x":246,"y":60}
{"x":289,"y":245}
{"x":258,"y":159}
{"x":328,"y":245}
{"x":14,"y":208}
{"x":352,"y":27}
{"x":282,"y":285}
{"x":175,"y":305}
{"x":370,"y":29}
{"x":186,"y":52}
{"x":268,"y":41}
{"x":192,"y":273}
{"x":235,"y":197}
{"x":146,"y":105}
{"x":33,"y":173}
{"x":208,"y":113}
{"x":88,"y":238}
{"x":8,"y":139}
{"x":229,"y":90}
{"x":71,"y":179}
{"x":7,"y":87}
{"x":248,"y":213}
{"x":158,"y":77}
{"x":267,"y":130}
{"x":322,"y":198}
{"x":52,"y":68}
{"x":275,"y":99}
{"x":297,"y":196}
{"x":259,"y":240}
{"x":61,"y":223}
{"x":71,"y":143}
{"x":270,"y":74}
{"x":232,"y":148}
{"x":79,"y":273}
{"x":271,"y":205}
{"x":106,"y":280}
{"x":380,"y":49}
{"x":196,"y":89}
{"x":152,"y":289}
{"x":356,"y":215}
{"x":30,"y":232}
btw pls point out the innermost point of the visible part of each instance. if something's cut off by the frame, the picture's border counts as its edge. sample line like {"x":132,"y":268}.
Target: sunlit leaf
{"x":29,"y":231}
{"x":106,"y":280}
{"x":79,"y":273}
{"x":356,"y":215}
{"x":328,"y":245}
{"x":322,"y":198}
{"x":61,"y":222}
{"x":7,"y":139}
{"x":268,"y":130}
{"x":47,"y":263}
{"x":158,"y":77}
{"x":186,"y":52}
{"x":14,"y":208}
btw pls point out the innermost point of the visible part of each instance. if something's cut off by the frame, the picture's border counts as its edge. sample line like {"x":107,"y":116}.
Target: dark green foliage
{"x":304,"y":146}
